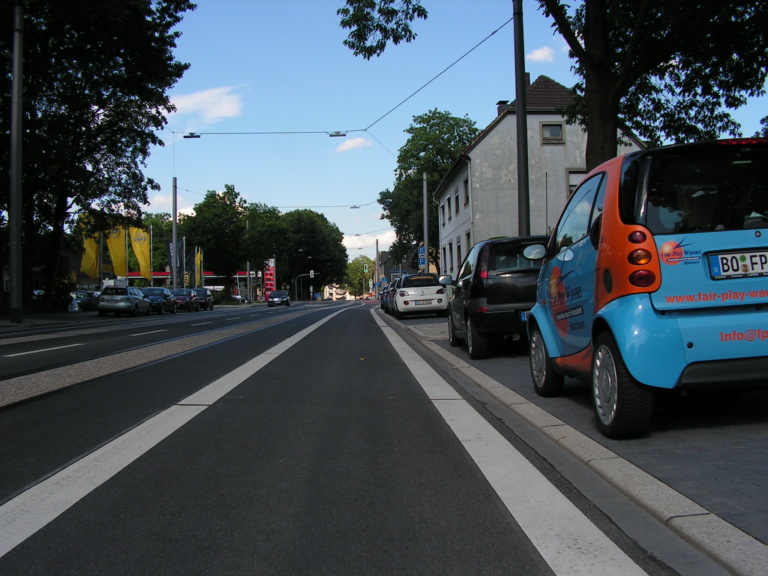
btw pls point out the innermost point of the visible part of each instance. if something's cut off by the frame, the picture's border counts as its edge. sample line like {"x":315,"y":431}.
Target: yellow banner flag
{"x":117,"y":251}
{"x":199,"y":267}
{"x":140,"y":242}
{"x":89,"y":265}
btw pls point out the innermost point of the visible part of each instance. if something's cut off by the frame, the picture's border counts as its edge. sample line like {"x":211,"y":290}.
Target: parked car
{"x":278,"y":298}
{"x":205,"y":298}
{"x":495,"y":289}
{"x":162,"y":299}
{"x":655,"y":279}
{"x":419,"y":294}
{"x":122,"y":300}
{"x":85,"y":301}
{"x":390,"y":294}
{"x":186,"y":299}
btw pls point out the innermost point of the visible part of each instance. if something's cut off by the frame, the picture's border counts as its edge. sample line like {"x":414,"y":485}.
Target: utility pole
{"x":521,"y":112}
{"x":426,"y":226}
{"x":175,"y":253}
{"x":14,"y":214}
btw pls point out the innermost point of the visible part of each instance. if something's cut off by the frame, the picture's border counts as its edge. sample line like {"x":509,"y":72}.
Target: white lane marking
{"x":35,"y":508}
{"x":145,"y":333}
{"x":40,"y":351}
{"x":567,"y":540}
{"x":200,"y":324}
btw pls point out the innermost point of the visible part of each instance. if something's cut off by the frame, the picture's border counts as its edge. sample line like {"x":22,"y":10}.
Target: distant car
{"x":162,"y":299}
{"x":390,"y":295}
{"x":238,"y":298}
{"x":205,"y":297}
{"x":278,"y":298}
{"x":419,"y":294}
{"x":85,"y":301}
{"x":186,"y":299}
{"x":123,"y":300}
{"x":655,"y":279}
{"x":494,"y":291}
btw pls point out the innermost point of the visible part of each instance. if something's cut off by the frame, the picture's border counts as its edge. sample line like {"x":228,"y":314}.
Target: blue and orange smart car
{"x":656,"y":277}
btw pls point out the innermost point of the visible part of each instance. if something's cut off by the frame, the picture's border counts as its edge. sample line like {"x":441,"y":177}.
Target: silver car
{"x":123,"y":300}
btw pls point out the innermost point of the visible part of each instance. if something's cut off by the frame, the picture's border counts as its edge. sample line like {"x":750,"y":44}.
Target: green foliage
{"x":310,"y":243}
{"x":96,"y":74}
{"x":435,"y":143}
{"x":763,"y":132}
{"x":357,"y":279}
{"x":669,"y":71}
{"x":218,"y":227}
{"x":375,"y":23}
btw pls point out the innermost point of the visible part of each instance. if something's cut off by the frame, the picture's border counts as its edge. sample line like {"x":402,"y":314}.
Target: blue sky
{"x":280,"y":66}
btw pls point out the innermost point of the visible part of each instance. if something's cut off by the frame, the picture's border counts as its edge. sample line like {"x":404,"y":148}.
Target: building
{"x":477,"y":199}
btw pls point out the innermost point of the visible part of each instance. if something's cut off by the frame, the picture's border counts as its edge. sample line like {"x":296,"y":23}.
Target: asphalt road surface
{"x":316,"y":440}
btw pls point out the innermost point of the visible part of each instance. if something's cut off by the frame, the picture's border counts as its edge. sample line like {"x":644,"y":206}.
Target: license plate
{"x":738,"y":265}
{"x":421,"y":302}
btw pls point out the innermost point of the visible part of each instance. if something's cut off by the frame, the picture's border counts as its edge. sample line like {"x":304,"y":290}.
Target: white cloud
{"x":209,"y":106}
{"x":544,"y":54}
{"x":353,"y":143}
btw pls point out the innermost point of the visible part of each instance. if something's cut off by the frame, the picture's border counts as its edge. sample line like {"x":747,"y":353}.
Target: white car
{"x":420,"y":294}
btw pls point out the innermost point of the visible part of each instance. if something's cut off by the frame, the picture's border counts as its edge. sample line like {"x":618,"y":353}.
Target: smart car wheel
{"x":478,"y":345}
{"x":623,"y":407}
{"x":546,"y":382}
{"x":452,"y":339}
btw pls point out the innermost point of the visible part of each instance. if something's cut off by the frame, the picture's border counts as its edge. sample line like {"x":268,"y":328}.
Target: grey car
{"x":123,"y":300}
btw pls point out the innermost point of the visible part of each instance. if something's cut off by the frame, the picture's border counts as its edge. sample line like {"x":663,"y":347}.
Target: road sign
{"x":421,"y":251}
{"x":422,"y":261}
{"x":311,"y":273}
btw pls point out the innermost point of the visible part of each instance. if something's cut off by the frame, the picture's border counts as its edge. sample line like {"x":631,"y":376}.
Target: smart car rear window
{"x":708,"y":189}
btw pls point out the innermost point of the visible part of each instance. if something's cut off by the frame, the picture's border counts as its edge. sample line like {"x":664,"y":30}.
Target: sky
{"x":270,"y":80}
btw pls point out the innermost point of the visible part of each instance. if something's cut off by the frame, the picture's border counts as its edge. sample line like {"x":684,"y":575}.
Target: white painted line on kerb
{"x":33,"y":509}
{"x":145,"y":333}
{"x":40,"y":351}
{"x":567,"y":540}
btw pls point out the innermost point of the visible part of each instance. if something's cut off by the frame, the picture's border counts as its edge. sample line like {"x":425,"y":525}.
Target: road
{"x":302,"y":440}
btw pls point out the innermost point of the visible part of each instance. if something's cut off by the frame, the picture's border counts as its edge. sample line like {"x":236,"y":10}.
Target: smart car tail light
{"x":642,"y":278}
{"x":639,"y":257}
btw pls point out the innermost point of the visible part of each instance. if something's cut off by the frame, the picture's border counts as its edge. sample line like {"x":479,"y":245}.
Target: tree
{"x":218,"y":227}
{"x":311,"y":243}
{"x":264,"y":229}
{"x":667,"y":70}
{"x":435,"y":143}
{"x":357,"y":278}
{"x":96,"y":74}
{"x":764,"y":130}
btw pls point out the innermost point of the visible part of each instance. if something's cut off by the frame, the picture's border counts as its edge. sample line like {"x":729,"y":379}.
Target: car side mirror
{"x":535,"y":252}
{"x":445,"y":280}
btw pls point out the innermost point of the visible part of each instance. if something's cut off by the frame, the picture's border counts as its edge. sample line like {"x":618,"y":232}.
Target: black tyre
{"x":162,"y":309}
{"x":396,"y":313}
{"x":135,"y":311}
{"x":546,"y":382}
{"x":149,"y":311}
{"x":623,"y":406}
{"x":173,"y":310}
{"x":452,"y":339}
{"x":478,"y":345}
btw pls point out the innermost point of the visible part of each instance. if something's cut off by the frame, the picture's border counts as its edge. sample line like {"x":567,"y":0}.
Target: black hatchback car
{"x":495,"y":289}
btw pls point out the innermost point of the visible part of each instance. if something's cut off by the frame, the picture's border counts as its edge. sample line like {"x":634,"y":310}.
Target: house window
{"x":442,"y":213}
{"x":444,"y":262}
{"x":458,"y":250}
{"x":552,"y":133}
{"x":449,"y":208}
{"x":456,"y":202}
{"x":574,"y":179}
{"x":466,"y":192}
{"x":450,"y":254}
{"x":467,"y":239}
